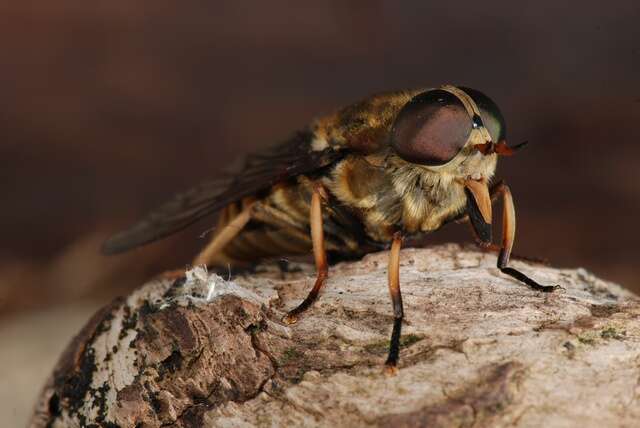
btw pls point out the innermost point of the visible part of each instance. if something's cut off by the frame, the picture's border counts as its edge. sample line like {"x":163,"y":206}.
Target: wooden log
{"x":478,"y":349}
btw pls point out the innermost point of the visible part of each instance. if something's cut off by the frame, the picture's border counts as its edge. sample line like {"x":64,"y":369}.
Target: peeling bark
{"x":478,"y":349}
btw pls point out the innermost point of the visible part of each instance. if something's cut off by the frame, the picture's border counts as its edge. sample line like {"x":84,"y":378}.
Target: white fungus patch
{"x":200,"y":285}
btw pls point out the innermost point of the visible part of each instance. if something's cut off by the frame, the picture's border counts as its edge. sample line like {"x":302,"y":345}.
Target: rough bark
{"x":478,"y":349}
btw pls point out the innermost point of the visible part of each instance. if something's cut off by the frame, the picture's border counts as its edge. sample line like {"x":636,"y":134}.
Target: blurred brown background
{"x":110,"y":107}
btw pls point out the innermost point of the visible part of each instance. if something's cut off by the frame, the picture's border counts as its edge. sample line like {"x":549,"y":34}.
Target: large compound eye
{"x":431,"y":128}
{"x":491,"y":116}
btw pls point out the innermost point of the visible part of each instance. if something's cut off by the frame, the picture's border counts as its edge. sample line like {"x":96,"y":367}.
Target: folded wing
{"x":257,"y":173}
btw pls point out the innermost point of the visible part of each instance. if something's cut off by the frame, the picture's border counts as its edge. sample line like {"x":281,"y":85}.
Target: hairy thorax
{"x":389,"y":194}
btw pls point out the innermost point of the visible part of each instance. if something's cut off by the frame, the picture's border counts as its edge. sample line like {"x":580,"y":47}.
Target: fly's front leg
{"x":478,"y":200}
{"x":391,"y":366}
{"x":482,"y":230}
{"x":319,"y":253}
{"x":508,"y":236}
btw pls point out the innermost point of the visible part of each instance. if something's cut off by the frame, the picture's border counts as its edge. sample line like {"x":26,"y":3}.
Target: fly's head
{"x":456,"y":132}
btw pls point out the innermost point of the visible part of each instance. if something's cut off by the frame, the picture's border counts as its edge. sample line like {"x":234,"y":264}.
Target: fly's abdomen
{"x":279,"y":227}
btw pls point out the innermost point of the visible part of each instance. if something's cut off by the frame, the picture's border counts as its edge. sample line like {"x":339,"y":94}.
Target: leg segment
{"x":228,"y":231}
{"x":482,"y":231}
{"x":225,"y":236}
{"x":508,"y":237}
{"x":319,"y":254}
{"x":396,"y":300}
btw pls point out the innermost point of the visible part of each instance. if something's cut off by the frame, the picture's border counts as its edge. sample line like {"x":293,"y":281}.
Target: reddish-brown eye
{"x":431,"y":128}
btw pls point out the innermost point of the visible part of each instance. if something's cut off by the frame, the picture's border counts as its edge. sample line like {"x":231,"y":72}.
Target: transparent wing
{"x":258,"y":172}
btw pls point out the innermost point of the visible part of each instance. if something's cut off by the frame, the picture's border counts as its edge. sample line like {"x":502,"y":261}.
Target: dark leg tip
{"x":528,"y":281}
{"x":550,"y":288}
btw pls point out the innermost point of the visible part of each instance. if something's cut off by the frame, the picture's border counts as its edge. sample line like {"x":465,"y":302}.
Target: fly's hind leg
{"x":319,"y":253}
{"x":229,"y":231}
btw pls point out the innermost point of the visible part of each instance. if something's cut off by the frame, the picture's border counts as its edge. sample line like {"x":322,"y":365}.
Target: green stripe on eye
{"x":491,"y":115}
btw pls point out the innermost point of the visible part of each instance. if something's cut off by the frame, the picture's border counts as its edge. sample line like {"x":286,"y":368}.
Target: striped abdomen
{"x":280,"y":227}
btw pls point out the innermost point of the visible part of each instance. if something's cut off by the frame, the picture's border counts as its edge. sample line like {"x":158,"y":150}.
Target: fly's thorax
{"x":364,"y":186}
{"x":363,"y":126}
{"x":395,"y":195}
{"x":358,"y":183}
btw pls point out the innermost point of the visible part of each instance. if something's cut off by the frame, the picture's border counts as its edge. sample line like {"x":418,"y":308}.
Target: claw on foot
{"x":390,"y":370}
{"x":290,"y":319}
{"x":550,"y":288}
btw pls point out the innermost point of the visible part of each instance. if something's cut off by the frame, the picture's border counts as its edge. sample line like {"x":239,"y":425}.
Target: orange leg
{"x":508,"y":237}
{"x":391,"y":366}
{"x":319,"y":253}
{"x":227,"y":231}
{"x":483,"y":234}
{"x":484,"y":242}
{"x":225,"y":236}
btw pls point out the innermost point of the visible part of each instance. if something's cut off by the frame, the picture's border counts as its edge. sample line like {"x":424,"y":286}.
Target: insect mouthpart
{"x":499,"y":148}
